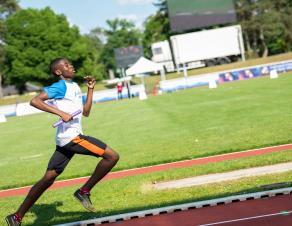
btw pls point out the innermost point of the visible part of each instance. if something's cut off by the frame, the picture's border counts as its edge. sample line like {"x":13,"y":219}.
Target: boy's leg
{"x":109,"y":160}
{"x":91,"y":146}
{"x":57,"y":164}
{"x":36,"y":191}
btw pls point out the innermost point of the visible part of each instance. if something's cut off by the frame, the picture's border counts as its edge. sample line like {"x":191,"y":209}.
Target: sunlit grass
{"x":183,"y":125}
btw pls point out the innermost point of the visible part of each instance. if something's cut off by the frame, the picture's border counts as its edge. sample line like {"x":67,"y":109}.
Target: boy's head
{"x":62,"y":68}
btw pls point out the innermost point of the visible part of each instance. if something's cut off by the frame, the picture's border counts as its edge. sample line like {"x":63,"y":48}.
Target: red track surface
{"x":150,"y":169}
{"x":229,"y":212}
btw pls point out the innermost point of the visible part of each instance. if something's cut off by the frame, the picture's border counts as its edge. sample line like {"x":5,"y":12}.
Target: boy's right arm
{"x":39,"y":103}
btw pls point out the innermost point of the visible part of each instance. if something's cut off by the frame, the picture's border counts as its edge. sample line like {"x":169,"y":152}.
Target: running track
{"x":144,"y":170}
{"x":275,"y":211}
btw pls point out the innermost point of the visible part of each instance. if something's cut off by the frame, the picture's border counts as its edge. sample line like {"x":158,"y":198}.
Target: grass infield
{"x":184,"y":125}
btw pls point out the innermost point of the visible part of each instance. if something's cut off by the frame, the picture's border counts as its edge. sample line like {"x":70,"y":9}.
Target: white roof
{"x":143,"y":65}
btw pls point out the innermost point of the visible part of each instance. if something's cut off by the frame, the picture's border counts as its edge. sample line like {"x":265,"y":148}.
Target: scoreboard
{"x":127,"y":56}
{"x":191,"y":14}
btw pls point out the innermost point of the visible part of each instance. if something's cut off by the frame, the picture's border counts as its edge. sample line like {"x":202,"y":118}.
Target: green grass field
{"x":183,"y":125}
{"x":187,"y":124}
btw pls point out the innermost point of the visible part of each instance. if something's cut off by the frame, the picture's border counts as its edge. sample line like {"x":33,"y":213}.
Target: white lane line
{"x":248,"y":218}
{"x":30,"y":157}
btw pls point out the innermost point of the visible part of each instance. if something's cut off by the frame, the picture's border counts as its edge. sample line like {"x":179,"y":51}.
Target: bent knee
{"x":115,"y":157}
{"x":111,"y":155}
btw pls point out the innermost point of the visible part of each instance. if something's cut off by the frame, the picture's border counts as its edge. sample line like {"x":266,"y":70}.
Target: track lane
{"x":266,"y":212}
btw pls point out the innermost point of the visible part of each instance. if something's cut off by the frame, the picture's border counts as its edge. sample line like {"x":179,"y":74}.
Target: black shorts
{"x":84,"y":145}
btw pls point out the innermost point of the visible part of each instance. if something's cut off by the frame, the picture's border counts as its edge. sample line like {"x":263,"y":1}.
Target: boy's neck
{"x":66,"y":79}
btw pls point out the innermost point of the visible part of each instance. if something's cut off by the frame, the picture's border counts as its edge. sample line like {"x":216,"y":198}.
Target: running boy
{"x":67,"y":99}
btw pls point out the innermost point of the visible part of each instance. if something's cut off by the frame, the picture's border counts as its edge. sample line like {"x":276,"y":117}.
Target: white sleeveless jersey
{"x":67,"y":97}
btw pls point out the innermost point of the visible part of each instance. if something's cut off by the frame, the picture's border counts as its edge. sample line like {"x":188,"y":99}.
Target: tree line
{"x":30,"y":38}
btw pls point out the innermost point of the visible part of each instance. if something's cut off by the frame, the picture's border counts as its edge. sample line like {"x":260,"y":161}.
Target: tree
{"x":157,"y":27}
{"x":92,"y":65}
{"x":7,"y":8}
{"x":33,"y":38}
{"x":266,"y":25}
{"x":121,"y":33}
{"x":284,"y":9}
{"x":244,"y":15}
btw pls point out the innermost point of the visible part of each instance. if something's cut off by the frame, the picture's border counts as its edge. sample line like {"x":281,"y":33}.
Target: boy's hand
{"x":66,"y":117}
{"x":90,"y":82}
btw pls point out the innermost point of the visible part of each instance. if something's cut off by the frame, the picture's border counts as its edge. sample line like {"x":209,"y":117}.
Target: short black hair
{"x":54,"y":63}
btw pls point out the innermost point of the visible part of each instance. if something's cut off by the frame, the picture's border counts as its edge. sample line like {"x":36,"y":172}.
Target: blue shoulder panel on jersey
{"x":57,"y":90}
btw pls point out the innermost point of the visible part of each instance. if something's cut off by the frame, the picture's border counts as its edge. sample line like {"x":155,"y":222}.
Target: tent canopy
{"x":144,"y":65}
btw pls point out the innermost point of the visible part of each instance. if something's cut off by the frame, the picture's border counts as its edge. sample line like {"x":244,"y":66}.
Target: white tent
{"x":144,"y":65}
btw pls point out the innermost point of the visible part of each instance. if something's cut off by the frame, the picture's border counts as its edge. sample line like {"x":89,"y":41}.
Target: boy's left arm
{"x":90,"y":82}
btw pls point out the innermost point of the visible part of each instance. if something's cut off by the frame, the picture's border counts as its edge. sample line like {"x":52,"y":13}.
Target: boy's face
{"x":65,"y":69}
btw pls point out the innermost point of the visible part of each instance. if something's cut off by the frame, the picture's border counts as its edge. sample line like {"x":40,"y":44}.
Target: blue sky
{"x":88,"y":14}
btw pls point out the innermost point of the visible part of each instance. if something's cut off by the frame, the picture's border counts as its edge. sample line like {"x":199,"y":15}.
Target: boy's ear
{"x":58,"y":72}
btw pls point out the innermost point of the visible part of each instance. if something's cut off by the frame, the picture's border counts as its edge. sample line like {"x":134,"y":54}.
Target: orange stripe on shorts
{"x":89,"y":146}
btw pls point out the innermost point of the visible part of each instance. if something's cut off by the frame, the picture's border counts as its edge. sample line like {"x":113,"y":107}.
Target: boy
{"x":69,"y":138}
